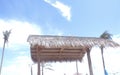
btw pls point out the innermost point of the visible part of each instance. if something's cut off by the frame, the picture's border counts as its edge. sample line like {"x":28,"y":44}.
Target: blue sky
{"x":54,"y":17}
{"x":88,"y":18}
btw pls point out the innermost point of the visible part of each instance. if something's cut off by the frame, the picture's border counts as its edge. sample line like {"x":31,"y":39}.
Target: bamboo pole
{"x":89,"y":62}
{"x":42,"y":67}
{"x":38,"y":60}
{"x":77,"y":67}
{"x":31,"y":69}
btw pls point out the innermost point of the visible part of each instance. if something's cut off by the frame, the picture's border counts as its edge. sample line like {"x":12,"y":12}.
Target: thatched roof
{"x":63,"y":48}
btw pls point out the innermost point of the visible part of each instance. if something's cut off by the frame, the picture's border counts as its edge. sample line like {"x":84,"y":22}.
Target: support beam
{"x":89,"y":62}
{"x":38,"y":67}
{"x":38,"y":60}
{"x":77,"y":67}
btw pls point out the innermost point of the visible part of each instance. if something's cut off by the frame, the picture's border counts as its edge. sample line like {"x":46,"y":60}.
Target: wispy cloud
{"x":64,"y":9}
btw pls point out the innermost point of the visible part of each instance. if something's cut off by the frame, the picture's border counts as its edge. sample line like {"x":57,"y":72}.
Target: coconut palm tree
{"x":6,"y":36}
{"x":105,"y":35}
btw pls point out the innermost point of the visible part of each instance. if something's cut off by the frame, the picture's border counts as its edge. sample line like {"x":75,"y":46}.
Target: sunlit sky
{"x":58,"y":17}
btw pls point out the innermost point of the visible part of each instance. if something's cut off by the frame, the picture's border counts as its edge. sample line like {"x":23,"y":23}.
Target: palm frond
{"x":106,"y":35}
{"x":6,"y":35}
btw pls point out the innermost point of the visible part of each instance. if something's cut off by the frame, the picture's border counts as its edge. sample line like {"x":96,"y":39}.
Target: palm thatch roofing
{"x":63,"y":48}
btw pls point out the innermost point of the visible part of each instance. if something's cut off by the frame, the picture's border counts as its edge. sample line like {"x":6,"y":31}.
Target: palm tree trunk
{"x":103,"y":59}
{"x":2,"y":57}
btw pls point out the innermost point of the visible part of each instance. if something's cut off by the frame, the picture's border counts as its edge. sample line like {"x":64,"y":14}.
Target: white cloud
{"x":18,"y":65}
{"x":116,"y":38}
{"x":20,"y":31}
{"x":64,"y":9}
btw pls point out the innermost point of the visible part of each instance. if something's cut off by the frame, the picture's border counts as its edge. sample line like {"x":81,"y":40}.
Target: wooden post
{"x":89,"y":62}
{"x":38,"y":60}
{"x":77,"y":67}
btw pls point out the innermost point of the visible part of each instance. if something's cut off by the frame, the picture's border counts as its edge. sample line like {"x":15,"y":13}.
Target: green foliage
{"x":106,"y":35}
